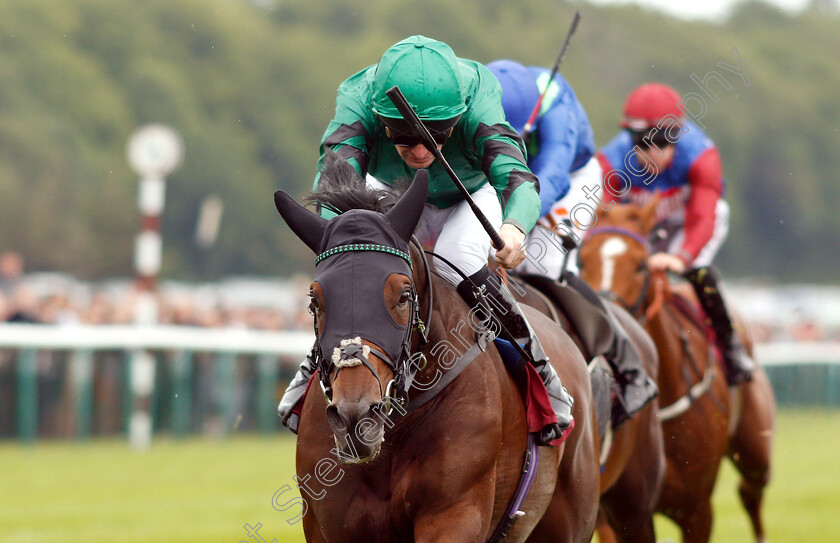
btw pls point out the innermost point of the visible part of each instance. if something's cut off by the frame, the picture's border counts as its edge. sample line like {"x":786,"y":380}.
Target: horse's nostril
{"x":334,"y":418}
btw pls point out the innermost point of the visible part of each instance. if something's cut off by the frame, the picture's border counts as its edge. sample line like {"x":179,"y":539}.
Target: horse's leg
{"x":697,"y":525}
{"x":570,"y":516}
{"x":630,"y":503}
{"x":540,"y":494}
{"x":602,"y":528}
{"x":450,"y":483}
{"x":628,"y":523}
{"x":463,"y":522}
{"x":689,"y":483}
{"x":311,"y":529}
{"x":751,"y":446}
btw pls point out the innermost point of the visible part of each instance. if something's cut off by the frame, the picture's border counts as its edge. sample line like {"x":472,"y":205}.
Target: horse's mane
{"x":341,"y":188}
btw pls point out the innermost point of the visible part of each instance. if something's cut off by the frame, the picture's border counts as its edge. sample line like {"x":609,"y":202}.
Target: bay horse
{"x":633,"y":457}
{"x":378,"y":469}
{"x":702,"y":419}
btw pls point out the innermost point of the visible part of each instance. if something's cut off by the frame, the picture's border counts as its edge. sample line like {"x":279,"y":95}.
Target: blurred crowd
{"x":25,"y":299}
{"x":802,"y":329}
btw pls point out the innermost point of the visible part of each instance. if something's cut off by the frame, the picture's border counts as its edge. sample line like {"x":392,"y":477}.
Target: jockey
{"x":561,"y":153}
{"x":660,"y":152}
{"x":459,"y":101}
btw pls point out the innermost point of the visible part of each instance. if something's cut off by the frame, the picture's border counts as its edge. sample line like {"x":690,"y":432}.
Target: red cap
{"x":648,"y":104}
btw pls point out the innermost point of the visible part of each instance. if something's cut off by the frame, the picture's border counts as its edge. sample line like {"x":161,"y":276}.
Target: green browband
{"x":363,"y":247}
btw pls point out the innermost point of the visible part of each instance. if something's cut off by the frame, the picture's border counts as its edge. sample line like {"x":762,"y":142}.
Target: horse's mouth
{"x":351,"y":450}
{"x":358,"y":438}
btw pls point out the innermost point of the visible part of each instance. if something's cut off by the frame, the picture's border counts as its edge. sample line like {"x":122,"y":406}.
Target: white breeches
{"x":543,"y":248}
{"x":455,"y":232}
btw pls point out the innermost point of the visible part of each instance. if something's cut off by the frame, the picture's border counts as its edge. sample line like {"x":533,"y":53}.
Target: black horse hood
{"x":367,"y":250}
{"x":357,"y":252}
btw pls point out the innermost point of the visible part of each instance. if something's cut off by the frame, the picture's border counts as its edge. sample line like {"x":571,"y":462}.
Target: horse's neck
{"x":680,"y":340}
{"x":447,"y":311}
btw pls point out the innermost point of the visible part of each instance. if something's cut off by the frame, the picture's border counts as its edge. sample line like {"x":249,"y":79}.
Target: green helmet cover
{"x":429,"y":75}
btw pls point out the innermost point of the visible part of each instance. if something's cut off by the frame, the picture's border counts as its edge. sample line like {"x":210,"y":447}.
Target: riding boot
{"x":739,"y":365}
{"x":637,"y":387}
{"x":294,"y":393}
{"x":515,"y":328}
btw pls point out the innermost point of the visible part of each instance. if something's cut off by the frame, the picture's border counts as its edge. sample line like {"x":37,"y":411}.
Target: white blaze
{"x":610,"y":250}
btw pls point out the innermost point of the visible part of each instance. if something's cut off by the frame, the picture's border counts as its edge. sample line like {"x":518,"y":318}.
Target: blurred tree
{"x":251,"y":87}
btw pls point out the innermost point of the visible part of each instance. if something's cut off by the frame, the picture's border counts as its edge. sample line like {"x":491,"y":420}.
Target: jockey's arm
{"x":350,"y":131}
{"x":706,"y":180}
{"x":347,"y":150}
{"x":503,"y":162}
{"x":607,"y":197}
{"x":558,"y":133}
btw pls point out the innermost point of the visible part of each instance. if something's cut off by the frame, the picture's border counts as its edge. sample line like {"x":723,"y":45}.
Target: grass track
{"x":201,"y":490}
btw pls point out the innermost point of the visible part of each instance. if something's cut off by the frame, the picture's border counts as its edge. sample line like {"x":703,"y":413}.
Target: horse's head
{"x":363,"y":300}
{"x":613,"y":257}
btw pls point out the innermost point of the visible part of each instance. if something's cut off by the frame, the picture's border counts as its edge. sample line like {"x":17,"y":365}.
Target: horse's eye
{"x":404,"y":297}
{"x":313,"y":304}
{"x":641,"y":267}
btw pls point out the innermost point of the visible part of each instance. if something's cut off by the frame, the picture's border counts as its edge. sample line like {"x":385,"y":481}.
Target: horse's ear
{"x":648,"y":214}
{"x":405,"y":214}
{"x":306,"y":225}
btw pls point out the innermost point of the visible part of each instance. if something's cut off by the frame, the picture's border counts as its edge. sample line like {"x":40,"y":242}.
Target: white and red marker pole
{"x":154,"y":151}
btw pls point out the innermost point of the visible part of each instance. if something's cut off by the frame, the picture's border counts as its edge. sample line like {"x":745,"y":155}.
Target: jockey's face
{"x":655,"y":159}
{"x":417,"y":156}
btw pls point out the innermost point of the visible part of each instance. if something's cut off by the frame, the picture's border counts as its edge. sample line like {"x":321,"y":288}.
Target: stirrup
{"x":551,"y":433}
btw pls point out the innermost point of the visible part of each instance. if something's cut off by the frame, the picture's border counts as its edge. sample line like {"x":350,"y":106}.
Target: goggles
{"x":646,"y":139}
{"x":399,"y":132}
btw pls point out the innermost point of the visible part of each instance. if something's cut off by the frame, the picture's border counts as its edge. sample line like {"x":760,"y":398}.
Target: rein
{"x":661,"y":293}
{"x":486,"y":306}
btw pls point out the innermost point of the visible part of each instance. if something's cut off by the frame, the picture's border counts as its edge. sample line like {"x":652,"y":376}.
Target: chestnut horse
{"x":439,"y":470}
{"x":702,"y":419}
{"x":633,"y":456}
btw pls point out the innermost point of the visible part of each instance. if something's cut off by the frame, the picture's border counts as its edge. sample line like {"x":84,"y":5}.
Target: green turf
{"x":204,"y":490}
{"x":803,"y":500}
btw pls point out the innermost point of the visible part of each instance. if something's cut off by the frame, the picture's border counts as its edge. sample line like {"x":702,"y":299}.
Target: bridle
{"x":354,"y":353}
{"x":636,"y":307}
